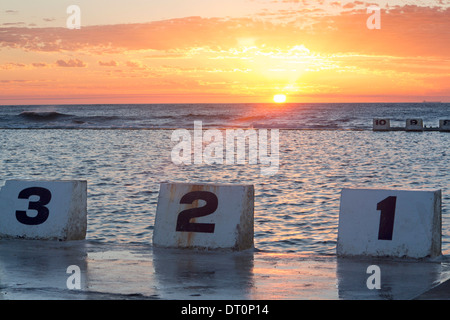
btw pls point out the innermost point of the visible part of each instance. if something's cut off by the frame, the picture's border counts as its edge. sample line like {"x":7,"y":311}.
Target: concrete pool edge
{"x":39,"y":270}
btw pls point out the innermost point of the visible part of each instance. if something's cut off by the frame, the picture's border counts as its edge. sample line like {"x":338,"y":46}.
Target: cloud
{"x":134,"y":64}
{"x":13,"y":23}
{"x":72,"y":63}
{"x":15,"y":81}
{"x":39,"y":64}
{"x":406,"y":30}
{"x":111,"y":63}
{"x":159,"y":35}
{"x":12,"y":65}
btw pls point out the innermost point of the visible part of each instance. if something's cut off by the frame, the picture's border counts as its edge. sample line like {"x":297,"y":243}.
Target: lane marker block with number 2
{"x":394,"y":223}
{"x":44,"y":210}
{"x":204,"y":216}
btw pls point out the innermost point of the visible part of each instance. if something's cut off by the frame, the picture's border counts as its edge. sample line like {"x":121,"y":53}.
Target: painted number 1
{"x":40,"y":206}
{"x":387,"y":208}
{"x":184,"y":217}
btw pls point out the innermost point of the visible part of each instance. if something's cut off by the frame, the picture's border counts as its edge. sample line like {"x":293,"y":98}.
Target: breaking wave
{"x":43,"y":115}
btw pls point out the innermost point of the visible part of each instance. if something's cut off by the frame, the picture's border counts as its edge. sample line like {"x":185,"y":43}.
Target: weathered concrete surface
{"x":43,"y":209}
{"x":224,"y":220}
{"x":409,"y":226}
{"x":31,"y":269}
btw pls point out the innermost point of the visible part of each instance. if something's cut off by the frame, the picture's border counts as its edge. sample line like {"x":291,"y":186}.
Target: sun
{"x":279,"y":98}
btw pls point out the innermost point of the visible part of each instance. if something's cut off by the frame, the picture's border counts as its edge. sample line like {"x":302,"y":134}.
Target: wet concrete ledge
{"x":440,"y":292}
{"x":37,"y":270}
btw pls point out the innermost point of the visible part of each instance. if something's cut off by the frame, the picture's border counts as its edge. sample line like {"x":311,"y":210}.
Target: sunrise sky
{"x":208,"y":51}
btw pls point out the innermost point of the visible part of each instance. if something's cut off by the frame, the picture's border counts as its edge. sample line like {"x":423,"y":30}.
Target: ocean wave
{"x":43,"y":115}
{"x":167,"y":117}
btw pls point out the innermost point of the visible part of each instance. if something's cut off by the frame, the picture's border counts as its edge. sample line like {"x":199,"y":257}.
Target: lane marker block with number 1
{"x":204,"y":216}
{"x":43,"y":210}
{"x":392,"y":223}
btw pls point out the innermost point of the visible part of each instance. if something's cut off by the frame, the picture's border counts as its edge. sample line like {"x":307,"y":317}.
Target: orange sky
{"x":248,"y":51}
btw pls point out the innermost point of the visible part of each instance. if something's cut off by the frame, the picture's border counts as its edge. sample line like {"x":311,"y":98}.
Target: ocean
{"x":124,"y":153}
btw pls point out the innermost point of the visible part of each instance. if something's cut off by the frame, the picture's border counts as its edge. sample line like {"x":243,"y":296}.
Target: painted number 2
{"x":184,"y":217}
{"x":387,"y":208}
{"x":40,"y":206}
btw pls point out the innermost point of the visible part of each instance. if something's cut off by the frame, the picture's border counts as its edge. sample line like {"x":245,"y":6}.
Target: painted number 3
{"x":40,"y":206}
{"x":184,"y":217}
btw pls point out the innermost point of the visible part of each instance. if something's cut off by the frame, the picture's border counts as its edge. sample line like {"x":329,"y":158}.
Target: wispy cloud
{"x":72,"y":63}
{"x":19,"y":23}
{"x":39,"y":64}
{"x":111,"y":63}
{"x":407,"y":30}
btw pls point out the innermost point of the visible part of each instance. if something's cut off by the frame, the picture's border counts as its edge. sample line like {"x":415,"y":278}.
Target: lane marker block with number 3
{"x":204,"y":216}
{"x":45,"y":210}
{"x":392,"y":223}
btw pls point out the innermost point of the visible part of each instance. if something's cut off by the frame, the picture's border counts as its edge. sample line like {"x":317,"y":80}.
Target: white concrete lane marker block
{"x":381,"y":124}
{"x":393,"y":223}
{"x":46,"y":210}
{"x":444,"y":125}
{"x":414,"y":125}
{"x":204,"y":216}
